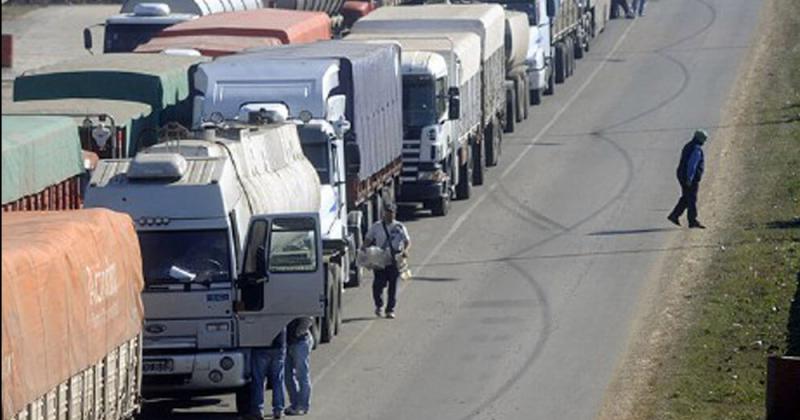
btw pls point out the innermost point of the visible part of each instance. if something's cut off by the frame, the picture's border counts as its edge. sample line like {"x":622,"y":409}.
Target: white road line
{"x":463,"y":218}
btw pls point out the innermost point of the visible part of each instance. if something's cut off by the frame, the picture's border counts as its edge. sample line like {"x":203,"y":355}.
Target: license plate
{"x":157,"y":366}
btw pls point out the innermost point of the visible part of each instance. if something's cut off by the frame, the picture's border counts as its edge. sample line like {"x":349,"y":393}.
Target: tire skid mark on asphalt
{"x":523,"y":212}
{"x":535,"y":352}
{"x":710,"y":7}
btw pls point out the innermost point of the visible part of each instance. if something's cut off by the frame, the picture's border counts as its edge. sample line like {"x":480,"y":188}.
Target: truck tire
{"x":328,"y":320}
{"x":569,"y":55}
{"x":464,"y":186}
{"x":511,"y":113}
{"x":440,"y":206}
{"x":560,"y":67}
{"x":478,"y":164}
{"x":243,"y":400}
{"x":579,"y":48}
{"x":536,"y":96}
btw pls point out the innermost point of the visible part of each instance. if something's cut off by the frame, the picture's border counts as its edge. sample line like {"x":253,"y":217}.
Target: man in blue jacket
{"x":690,"y":172}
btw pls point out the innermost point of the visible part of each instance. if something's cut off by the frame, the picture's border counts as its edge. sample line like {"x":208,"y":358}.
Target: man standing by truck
{"x":268,"y":362}
{"x":689,"y":172}
{"x":388,"y":234}
{"x":299,"y":342}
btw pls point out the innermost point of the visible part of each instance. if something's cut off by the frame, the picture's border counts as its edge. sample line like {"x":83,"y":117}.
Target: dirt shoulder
{"x":664,"y":345}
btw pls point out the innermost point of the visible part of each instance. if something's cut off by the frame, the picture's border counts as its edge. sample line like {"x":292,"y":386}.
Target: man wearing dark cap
{"x":391,"y":235}
{"x":689,"y":172}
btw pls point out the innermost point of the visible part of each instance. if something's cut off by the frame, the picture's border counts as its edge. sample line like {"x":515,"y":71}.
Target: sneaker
{"x":378,"y":312}
{"x":390,"y":314}
{"x":296,"y":412}
{"x":696,"y":225}
{"x":277,"y":414}
{"x":674,"y":219}
{"x":630,"y":16}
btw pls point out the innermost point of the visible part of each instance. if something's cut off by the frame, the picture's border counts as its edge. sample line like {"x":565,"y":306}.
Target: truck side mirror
{"x":87,"y":39}
{"x":552,"y":8}
{"x":455,"y":103}
{"x":352,"y":156}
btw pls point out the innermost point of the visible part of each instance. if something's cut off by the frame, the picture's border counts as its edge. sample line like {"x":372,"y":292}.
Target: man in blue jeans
{"x":267,"y":362}
{"x":391,"y":235}
{"x":298,"y":379}
{"x":638,"y":6}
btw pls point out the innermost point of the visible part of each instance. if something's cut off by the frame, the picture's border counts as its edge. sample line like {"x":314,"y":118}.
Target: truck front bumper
{"x":190,"y":372}
{"x":421,"y":190}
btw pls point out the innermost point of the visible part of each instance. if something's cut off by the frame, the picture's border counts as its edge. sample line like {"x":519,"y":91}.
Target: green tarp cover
{"x":159,"y":80}
{"x":38,"y":152}
{"x":136,"y":117}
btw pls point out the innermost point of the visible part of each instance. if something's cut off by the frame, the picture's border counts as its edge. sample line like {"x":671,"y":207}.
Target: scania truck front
{"x":231,"y":250}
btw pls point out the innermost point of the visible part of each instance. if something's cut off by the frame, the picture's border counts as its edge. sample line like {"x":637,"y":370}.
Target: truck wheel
{"x":511,"y":112}
{"x":327,"y":327}
{"x":464,"y":186}
{"x":560,"y":68}
{"x":479,"y":164}
{"x":536,"y":96}
{"x":243,"y":400}
{"x":440,"y":206}
{"x":579,"y":48}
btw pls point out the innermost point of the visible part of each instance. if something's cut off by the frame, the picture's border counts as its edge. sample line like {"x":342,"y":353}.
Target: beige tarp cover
{"x":71,"y":285}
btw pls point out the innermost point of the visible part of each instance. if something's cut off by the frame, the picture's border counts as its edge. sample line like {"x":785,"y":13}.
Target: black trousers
{"x":387,"y":276}
{"x":688,"y":201}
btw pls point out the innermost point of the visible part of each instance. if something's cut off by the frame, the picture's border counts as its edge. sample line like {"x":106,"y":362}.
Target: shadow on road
{"x":785,"y":224}
{"x":793,"y":347}
{"x":631,"y":231}
{"x":164,"y":409}
{"x":357,"y":319}
{"x":434,"y":279}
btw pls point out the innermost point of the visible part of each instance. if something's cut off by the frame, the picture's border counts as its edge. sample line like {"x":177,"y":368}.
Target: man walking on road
{"x":638,"y":7}
{"x":616,"y":4}
{"x":391,"y":235}
{"x":690,"y":172}
{"x":268,"y":361}
{"x":298,"y":379}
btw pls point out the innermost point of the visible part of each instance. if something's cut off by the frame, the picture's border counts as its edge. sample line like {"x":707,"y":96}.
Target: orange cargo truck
{"x":71,"y":315}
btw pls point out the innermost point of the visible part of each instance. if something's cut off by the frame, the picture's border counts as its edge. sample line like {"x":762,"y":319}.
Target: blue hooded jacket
{"x":690,"y":169}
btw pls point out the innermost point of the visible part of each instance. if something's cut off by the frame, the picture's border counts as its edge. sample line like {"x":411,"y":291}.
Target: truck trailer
{"x":109,"y":128}
{"x":158,"y":80}
{"x":44,"y":167}
{"x":231,"y":250}
{"x":227,"y":33}
{"x":72,"y":320}
{"x":488,"y":22}
{"x":353,"y":136}
{"x":140,"y":20}
{"x":441,"y":113}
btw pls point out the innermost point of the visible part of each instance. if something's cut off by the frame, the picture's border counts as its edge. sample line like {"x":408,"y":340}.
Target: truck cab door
{"x":282,"y":276}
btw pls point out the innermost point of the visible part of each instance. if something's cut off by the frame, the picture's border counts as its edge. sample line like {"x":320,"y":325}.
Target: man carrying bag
{"x":392,"y":237}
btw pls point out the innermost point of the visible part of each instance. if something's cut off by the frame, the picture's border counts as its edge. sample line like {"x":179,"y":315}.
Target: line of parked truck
{"x":248,"y":152}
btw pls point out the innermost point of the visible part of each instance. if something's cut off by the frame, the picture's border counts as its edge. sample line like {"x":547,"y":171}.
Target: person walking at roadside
{"x":690,"y":172}
{"x":268,"y":362}
{"x":616,"y":4}
{"x":391,"y":235}
{"x":299,"y":342}
{"x":638,"y":7}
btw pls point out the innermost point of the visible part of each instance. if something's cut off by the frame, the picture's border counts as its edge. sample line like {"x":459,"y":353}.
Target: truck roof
{"x":56,"y":297}
{"x":290,"y":26}
{"x":413,"y":61}
{"x":330,"y":7}
{"x":161,"y":81}
{"x":485,"y":20}
{"x":464,"y":44}
{"x":368,"y":68}
{"x":517,"y":38}
{"x":281,"y":180}
{"x":252,"y":78}
{"x":198,"y":7}
{"x":207,"y":45}
{"x":38,"y":152}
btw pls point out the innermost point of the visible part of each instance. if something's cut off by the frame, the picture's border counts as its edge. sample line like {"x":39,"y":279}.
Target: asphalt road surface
{"x":524,"y":296}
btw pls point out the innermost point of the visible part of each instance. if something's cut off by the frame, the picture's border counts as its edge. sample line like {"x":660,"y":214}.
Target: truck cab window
{"x":293,"y":246}
{"x":419,"y":101}
{"x":205,"y":253}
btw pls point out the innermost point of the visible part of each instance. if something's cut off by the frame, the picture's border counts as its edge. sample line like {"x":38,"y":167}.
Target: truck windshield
{"x":317,"y":154}
{"x":126,"y":37}
{"x":204,"y":253}
{"x":419,"y":101}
